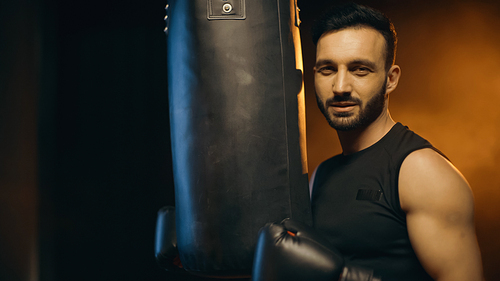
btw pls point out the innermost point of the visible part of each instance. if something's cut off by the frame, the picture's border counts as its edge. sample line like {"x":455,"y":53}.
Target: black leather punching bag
{"x":237,"y":124}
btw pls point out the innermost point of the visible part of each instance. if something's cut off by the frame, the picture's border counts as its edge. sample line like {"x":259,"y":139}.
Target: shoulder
{"x":321,"y":169}
{"x":327,"y":165}
{"x":311,"y":181}
{"x":439,"y":209}
{"x":428,"y":181}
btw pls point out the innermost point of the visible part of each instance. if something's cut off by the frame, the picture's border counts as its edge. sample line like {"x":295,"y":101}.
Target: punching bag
{"x":237,"y":124}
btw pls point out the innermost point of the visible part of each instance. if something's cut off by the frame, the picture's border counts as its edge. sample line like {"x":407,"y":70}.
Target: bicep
{"x":440,"y":217}
{"x":446,"y":247}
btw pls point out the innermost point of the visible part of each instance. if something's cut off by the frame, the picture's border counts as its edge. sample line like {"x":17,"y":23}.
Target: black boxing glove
{"x":166,"y":252}
{"x":293,"y":251}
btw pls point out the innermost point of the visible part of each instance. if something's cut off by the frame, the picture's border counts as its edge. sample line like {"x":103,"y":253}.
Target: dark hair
{"x":354,"y":15}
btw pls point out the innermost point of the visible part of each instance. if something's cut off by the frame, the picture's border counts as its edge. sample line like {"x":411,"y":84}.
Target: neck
{"x":361,"y":138}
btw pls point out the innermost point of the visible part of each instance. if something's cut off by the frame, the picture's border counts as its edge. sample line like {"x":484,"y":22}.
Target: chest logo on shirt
{"x":369,"y":195}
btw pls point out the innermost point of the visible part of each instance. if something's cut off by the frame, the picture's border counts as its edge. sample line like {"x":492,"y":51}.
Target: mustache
{"x":343,"y":98}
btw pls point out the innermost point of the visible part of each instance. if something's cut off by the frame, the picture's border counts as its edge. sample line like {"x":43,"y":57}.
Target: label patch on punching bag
{"x":369,"y":195}
{"x":226,"y":10}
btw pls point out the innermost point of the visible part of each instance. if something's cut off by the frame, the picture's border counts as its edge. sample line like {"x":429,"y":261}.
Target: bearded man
{"x":390,"y":201}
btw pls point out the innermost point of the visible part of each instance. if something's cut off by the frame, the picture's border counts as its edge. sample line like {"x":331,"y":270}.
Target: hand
{"x":293,"y":251}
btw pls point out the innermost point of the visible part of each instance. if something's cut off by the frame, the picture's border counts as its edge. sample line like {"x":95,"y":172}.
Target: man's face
{"x":350,"y":77}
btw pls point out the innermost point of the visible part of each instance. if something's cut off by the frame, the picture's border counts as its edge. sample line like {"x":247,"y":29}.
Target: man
{"x":390,"y":201}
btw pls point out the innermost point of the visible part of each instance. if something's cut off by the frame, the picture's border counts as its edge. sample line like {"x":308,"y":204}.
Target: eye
{"x":326,"y":70}
{"x":361,"y":71}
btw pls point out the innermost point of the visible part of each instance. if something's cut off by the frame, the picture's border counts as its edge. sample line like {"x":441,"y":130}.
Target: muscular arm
{"x":440,"y":217}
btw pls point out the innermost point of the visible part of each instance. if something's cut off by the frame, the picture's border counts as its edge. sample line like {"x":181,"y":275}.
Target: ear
{"x":392,"y":78}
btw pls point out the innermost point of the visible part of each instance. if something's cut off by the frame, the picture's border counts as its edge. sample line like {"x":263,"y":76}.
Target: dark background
{"x":84,"y":129}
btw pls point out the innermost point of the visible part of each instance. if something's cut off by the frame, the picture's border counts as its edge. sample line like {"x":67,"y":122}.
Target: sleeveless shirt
{"x":355,"y":204}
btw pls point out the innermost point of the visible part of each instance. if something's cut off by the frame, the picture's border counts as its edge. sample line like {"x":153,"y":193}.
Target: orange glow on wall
{"x":294,"y":25}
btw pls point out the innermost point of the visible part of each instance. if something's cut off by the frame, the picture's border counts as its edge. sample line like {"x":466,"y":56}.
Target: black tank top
{"x":355,"y":204}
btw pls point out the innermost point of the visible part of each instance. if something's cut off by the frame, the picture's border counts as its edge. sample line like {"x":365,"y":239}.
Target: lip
{"x":343,"y":106}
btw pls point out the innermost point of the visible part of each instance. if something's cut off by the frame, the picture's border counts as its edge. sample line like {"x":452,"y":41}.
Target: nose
{"x":341,"y":83}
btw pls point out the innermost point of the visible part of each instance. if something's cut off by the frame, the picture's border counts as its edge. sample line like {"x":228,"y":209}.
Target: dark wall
{"x":104,"y":139}
{"x":19,"y":85}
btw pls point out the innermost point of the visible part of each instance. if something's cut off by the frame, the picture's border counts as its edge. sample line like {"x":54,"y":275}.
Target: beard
{"x":347,"y":121}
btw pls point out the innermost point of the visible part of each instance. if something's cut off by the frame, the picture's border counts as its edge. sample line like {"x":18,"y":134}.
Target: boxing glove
{"x":293,"y":251}
{"x":166,"y":252}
